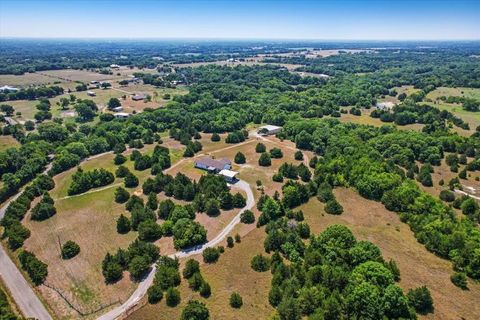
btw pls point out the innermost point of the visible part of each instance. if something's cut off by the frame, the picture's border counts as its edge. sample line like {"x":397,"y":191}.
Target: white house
{"x":228,"y":175}
{"x":8,"y":89}
{"x":269,"y":130}
{"x":121,"y":115}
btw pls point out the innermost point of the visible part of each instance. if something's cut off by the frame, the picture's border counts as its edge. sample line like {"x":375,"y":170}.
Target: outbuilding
{"x":269,"y":130}
{"x":91,"y":93}
{"x":121,"y":115}
{"x":138,"y":97}
{"x":229,"y":175}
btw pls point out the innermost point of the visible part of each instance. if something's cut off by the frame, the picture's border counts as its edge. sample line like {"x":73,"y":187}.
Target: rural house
{"x":213,"y":165}
{"x":229,"y":175}
{"x":138,"y":97}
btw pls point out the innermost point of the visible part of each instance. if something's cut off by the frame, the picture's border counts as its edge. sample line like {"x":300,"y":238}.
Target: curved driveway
{"x":147,"y":282}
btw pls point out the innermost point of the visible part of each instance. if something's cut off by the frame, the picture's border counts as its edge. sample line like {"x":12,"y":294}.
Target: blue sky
{"x":267,"y":19}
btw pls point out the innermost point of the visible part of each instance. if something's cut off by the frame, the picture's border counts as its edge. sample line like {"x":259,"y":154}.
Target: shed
{"x":121,"y":115}
{"x":118,"y":109}
{"x":269,"y":130}
{"x":138,"y":97}
{"x":8,"y":89}
{"x":228,"y":175}
{"x":91,"y":93}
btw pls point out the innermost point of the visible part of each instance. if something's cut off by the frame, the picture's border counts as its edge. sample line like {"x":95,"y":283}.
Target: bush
{"x":276,"y":153}
{"x":298,"y":155}
{"x":265,"y":160}
{"x":131,"y":181}
{"x":121,"y":195}
{"x":247,"y":217}
{"x":123,"y":224}
{"x":191,"y":267}
{"x":421,"y":300}
{"x":138,"y":266}
{"x":260,"y":263}
{"x":333,"y":207}
{"x":447,"y":195}
{"x":70,"y":249}
{"x":460,"y":280}
{"x":149,"y":230}
{"x":119,"y":159}
{"x":277,"y":177}
{"x":173,"y":298}
{"x":260,"y":148}
{"x":195,"y":310}
{"x":121,"y":172}
{"x":240,"y":158}
{"x":155,"y":294}
{"x":239,"y":201}
{"x":205,"y":290}
{"x":210,"y":255}
{"x":215,"y":137}
{"x":236,"y":300}
{"x":230,"y":242}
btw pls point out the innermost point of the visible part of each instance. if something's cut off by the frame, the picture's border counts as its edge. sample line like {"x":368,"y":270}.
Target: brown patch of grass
{"x":8,"y":142}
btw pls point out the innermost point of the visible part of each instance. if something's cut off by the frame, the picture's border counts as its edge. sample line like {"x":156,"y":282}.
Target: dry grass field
{"x":8,"y":142}
{"x":369,"y":220}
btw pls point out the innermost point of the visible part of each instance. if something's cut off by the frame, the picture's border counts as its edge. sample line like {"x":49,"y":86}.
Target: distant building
{"x":8,"y":89}
{"x":94,"y":82}
{"x":10,"y":121}
{"x":229,"y":175}
{"x":91,"y":93}
{"x":387,"y":105}
{"x":118,"y":109}
{"x":121,"y":115}
{"x":213,"y":165}
{"x":138,"y":97}
{"x":269,"y":130}
{"x":114,"y":66}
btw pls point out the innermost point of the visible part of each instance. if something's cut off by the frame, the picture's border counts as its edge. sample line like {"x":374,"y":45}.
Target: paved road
{"x":146,"y":283}
{"x":22,"y":293}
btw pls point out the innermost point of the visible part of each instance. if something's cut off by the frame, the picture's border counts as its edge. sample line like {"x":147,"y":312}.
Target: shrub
{"x":276,"y":153}
{"x":131,"y":181}
{"x":277,"y":177}
{"x":298,"y":155}
{"x":191,"y":267}
{"x":210,"y":255}
{"x":240,"y":158}
{"x":260,"y":263}
{"x":119,"y":159}
{"x":265,"y":160}
{"x":236,"y":300}
{"x":121,"y":195}
{"x":155,"y":294}
{"x":195,"y":310}
{"x":230,"y":242}
{"x":460,"y":280}
{"x":333,"y":207}
{"x":36,"y":269}
{"x":421,"y":300}
{"x":173,"y":298}
{"x":121,"y":172}
{"x":447,"y":195}
{"x":260,"y":148}
{"x":205,"y":290}
{"x":247,"y":217}
{"x":123,"y":224}
{"x":70,"y":249}
{"x":215,"y":137}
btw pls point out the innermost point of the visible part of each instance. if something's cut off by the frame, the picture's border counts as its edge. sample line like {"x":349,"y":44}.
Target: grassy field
{"x":8,"y":142}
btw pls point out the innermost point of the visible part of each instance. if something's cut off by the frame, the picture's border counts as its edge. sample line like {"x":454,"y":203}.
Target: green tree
{"x":123,"y":224}
{"x":421,"y":300}
{"x":265,"y":160}
{"x":173,"y":298}
{"x":236,"y":300}
{"x":70,"y":249}
{"x":195,"y":310}
{"x":240,"y":158}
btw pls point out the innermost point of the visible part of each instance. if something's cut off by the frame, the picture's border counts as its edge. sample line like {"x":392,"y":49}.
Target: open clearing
{"x":8,"y":142}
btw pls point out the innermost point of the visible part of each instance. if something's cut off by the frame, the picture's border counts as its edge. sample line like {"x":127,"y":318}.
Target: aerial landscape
{"x":277,"y":160}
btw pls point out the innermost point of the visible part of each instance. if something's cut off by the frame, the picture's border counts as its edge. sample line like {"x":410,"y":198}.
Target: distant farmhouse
{"x":213,"y":165}
{"x":121,"y":115}
{"x":8,"y":89}
{"x":91,"y":93}
{"x":269,"y":130}
{"x":138,"y":97}
{"x":387,"y":105}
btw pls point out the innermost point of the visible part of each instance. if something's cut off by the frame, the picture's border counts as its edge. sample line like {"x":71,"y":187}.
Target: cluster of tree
{"x":44,"y":209}
{"x":167,"y":277}
{"x":366,"y":158}
{"x":83,"y":181}
{"x":410,"y":112}
{"x":137,"y":259}
{"x":158,"y":161}
{"x":31,"y":93}
{"x":6,"y":310}
{"x":291,"y":171}
{"x":333,"y":276}
{"x":69,"y":250}
{"x":36,"y":269}
{"x":467,"y":103}
{"x":236,"y":136}
{"x":15,"y":212}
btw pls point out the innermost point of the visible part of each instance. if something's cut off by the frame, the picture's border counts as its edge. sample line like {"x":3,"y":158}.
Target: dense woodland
{"x":327,"y":276}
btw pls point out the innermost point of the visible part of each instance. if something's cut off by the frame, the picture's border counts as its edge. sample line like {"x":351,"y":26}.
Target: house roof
{"x":270,"y":127}
{"x":218,"y":164}
{"x":8,"y":88}
{"x":139,"y":96}
{"x":228,"y":173}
